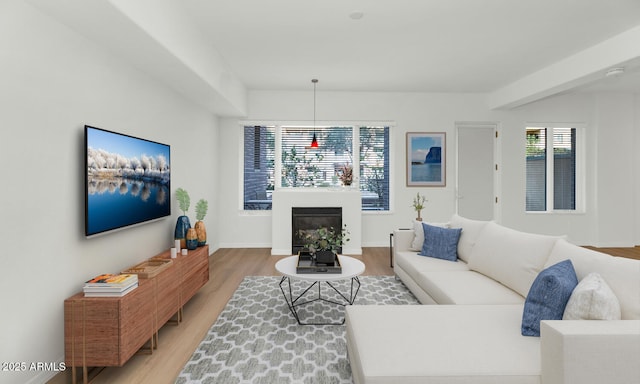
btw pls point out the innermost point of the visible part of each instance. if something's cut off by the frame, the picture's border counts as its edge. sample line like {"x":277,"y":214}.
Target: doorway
{"x":477,"y":171}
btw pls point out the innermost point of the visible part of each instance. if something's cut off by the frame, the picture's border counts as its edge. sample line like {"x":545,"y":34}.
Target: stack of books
{"x":110,"y":285}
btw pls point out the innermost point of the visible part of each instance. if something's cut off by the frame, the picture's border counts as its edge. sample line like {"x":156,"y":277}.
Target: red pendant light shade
{"x":314,"y":141}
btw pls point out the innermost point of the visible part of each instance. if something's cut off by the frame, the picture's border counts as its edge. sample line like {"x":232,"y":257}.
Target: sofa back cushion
{"x":622,"y":275}
{"x":471,"y":230}
{"x":511,"y":257}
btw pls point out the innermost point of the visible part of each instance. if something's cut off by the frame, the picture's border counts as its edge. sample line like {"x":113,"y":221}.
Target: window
{"x":374,"y":168}
{"x":552,"y":169}
{"x":303,"y":166}
{"x":285,"y":151}
{"x":259,"y":156}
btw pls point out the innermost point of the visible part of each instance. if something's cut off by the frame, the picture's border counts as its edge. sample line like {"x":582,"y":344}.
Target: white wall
{"x":611,"y":191}
{"x":609,"y":120}
{"x":53,"y":82}
{"x":411,"y":112}
{"x":615,"y":169}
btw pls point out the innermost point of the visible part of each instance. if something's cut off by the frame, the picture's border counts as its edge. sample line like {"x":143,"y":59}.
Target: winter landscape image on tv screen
{"x":127,"y":180}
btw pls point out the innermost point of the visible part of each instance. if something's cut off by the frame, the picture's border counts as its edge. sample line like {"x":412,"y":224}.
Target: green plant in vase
{"x":201,"y":211}
{"x":182,"y":224}
{"x":324,"y":243}
{"x":418,"y":205}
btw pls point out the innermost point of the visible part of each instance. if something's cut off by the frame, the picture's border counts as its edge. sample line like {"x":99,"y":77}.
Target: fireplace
{"x":312,"y":218}
{"x":285,"y":199}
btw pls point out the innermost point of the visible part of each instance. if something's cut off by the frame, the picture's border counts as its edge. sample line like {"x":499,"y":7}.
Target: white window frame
{"x":580,"y":168}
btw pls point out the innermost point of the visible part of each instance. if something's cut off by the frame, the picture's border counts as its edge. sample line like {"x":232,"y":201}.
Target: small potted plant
{"x":201,"y":211}
{"x":346,"y":174}
{"x":324,"y":243}
{"x":418,"y":205}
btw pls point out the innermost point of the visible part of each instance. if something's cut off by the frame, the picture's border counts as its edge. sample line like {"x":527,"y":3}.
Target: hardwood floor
{"x":227,"y":269}
{"x":631,"y":253}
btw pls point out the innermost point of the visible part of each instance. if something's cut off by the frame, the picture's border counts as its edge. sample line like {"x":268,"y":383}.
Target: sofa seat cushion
{"x":466,"y":287}
{"x":511,"y":257}
{"x":442,"y":344}
{"x":621,"y":274}
{"x":413,"y":264}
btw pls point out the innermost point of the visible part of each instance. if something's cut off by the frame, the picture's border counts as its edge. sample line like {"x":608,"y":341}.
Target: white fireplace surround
{"x":284,"y":199}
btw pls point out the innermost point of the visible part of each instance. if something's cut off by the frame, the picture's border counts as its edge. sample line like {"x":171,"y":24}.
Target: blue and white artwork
{"x":426,"y":159}
{"x":127,"y":180}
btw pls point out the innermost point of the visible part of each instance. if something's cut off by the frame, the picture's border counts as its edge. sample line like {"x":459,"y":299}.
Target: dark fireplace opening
{"x":312,"y":218}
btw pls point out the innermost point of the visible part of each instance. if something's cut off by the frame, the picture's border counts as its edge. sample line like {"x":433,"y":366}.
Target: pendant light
{"x":314,"y":141}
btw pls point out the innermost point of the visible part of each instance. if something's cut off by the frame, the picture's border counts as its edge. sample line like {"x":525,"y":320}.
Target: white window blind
{"x":303,"y":166}
{"x":259,"y":156}
{"x":374,"y":167}
{"x":300,"y":166}
{"x":536,"y":169}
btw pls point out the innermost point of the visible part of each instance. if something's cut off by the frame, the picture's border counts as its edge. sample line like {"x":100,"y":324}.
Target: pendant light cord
{"x":314,"y":81}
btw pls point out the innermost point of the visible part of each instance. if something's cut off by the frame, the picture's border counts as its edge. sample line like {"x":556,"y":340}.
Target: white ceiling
{"x":515,"y":51}
{"x":404,"y":45}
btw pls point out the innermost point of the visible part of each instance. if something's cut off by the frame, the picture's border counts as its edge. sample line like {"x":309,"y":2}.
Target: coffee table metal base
{"x":299,"y":300}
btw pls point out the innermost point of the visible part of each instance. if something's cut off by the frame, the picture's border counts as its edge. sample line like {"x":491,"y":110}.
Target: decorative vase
{"x":419,"y":218}
{"x":182,"y":225}
{"x":202,"y":233}
{"x":325,"y":257}
{"x":192,"y":239}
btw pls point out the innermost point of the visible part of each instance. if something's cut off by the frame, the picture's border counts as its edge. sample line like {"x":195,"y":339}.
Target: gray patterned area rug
{"x":256,"y":339}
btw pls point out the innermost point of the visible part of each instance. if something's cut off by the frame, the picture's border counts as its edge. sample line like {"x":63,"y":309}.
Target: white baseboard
{"x":377,"y":244}
{"x":287,"y":251}
{"x":244,"y":245}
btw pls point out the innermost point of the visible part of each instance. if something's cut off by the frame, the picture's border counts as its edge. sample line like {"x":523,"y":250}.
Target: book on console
{"x":110,"y":293}
{"x":109,"y":289}
{"x":112,"y":280}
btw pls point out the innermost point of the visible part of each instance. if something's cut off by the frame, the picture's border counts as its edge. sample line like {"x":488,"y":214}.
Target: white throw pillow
{"x":418,"y":239}
{"x":592,"y":299}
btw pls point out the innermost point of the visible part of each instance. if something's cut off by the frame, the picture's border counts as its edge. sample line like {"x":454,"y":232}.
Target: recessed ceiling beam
{"x":156,"y":36}
{"x":580,"y":69}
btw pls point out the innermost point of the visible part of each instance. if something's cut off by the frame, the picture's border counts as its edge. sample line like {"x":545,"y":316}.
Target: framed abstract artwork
{"x":426,"y":159}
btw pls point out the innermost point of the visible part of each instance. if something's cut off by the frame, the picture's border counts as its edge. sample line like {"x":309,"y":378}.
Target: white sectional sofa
{"x":470,"y":328}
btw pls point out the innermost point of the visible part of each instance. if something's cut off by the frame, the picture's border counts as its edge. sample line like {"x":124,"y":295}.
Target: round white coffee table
{"x":351,"y":269}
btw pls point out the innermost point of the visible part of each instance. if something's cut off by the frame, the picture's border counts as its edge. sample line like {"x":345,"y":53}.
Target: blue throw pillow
{"x":441,"y":243}
{"x":548,"y":296}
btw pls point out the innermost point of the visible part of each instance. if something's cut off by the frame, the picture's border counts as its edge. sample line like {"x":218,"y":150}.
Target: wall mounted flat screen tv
{"x":127,"y":180}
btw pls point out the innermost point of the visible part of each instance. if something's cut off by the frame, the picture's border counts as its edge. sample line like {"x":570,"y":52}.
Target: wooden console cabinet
{"x":107,"y":331}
